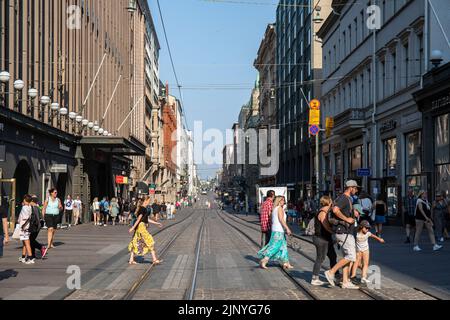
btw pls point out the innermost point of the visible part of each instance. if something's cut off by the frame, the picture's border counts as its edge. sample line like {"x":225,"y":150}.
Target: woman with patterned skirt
{"x":277,"y":249}
{"x":142,"y":242}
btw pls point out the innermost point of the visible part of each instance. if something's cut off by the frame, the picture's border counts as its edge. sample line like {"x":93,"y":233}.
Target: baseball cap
{"x":352,"y":183}
{"x":365,"y":224}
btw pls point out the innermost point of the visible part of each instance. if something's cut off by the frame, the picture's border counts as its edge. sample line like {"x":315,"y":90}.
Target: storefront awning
{"x":142,"y":188}
{"x":115,"y":145}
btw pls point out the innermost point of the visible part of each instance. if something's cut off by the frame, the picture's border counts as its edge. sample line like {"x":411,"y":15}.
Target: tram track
{"x":369,"y":293}
{"x":163,"y":252}
{"x":143,"y":276}
{"x":311,"y":295}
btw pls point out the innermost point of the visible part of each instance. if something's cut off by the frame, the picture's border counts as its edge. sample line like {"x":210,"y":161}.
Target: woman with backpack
{"x":323,"y":240}
{"x":51,"y":212}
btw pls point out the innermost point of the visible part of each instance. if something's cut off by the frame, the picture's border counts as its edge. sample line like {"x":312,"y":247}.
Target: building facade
{"x":369,"y":79}
{"x":67,"y":122}
{"x":299,"y":66}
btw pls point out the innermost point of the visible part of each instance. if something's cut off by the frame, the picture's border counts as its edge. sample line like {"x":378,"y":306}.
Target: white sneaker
{"x":349,"y":285}
{"x":365,"y":281}
{"x":31,"y":261}
{"x":330,"y":279}
{"x":437,"y":247}
{"x":317,"y":283}
{"x":441,"y":240}
{"x":22,"y":260}
{"x":417,"y":249}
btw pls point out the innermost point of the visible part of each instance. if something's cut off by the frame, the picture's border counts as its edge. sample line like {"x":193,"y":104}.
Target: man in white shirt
{"x":77,"y":210}
{"x":68,"y":209}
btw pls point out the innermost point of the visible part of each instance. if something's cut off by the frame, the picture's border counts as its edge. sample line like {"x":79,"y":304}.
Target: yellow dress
{"x":142,"y":242}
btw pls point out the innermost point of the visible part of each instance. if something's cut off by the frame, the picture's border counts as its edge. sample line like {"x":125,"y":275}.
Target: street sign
{"x":315,"y":104}
{"x":121,"y":180}
{"x":59,"y":168}
{"x":314,"y":130}
{"x":364,"y":173}
{"x":314,"y":117}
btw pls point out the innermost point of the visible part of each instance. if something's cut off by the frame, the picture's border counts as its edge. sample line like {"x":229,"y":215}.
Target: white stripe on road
{"x":111,"y":249}
{"x":175,"y":276}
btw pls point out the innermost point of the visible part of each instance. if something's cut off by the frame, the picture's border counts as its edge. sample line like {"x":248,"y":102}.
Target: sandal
{"x":288,"y":267}
{"x":158,"y":262}
{"x":132,"y":263}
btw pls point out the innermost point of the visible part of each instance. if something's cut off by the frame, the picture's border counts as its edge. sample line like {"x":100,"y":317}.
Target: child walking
{"x":362,"y":250}
{"x":24,"y":221}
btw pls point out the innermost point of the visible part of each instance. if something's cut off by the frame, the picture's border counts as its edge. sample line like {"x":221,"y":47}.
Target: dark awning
{"x":115,"y":145}
{"x":142,"y":188}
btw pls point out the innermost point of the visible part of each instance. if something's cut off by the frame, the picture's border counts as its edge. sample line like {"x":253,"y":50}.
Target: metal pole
{"x":132,"y":110}
{"x":111,"y":100}
{"x":92,"y":84}
{"x":317,"y":168}
{"x":374,"y":122}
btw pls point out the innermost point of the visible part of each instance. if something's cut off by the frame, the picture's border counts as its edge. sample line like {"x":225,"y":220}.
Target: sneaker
{"x":437,"y":247}
{"x":408,"y":241}
{"x":441,"y":240}
{"x":417,"y":249}
{"x":365,"y":281}
{"x":317,"y":283}
{"x":30,"y":261}
{"x":330,"y":278}
{"x":349,"y":285}
{"x":22,"y":260}
{"x":44,"y":252}
{"x":105,"y":225}
{"x":354,"y":281}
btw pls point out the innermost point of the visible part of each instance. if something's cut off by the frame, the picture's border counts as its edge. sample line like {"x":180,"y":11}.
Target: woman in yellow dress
{"x":142,"y":242}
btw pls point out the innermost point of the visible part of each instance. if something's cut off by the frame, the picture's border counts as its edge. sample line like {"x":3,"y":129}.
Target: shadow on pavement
{"x":8,"y":274}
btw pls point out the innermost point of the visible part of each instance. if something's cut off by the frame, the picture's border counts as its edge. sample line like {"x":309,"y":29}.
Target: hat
{"x":351,"y":184}
{"x":365,"y":224}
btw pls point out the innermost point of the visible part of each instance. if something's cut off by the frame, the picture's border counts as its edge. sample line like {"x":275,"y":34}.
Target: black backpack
{"x":35,"y":223}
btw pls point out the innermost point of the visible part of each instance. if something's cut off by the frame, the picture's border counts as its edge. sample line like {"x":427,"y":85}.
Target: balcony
{"x":348,"y":121}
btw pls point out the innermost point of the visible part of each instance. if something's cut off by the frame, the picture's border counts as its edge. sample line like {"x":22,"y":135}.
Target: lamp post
{"x":18,"y":87}
{"x":90,"y":127}
{"x":54,"y":108}
{"x":78,"y":126}
{"x":4,"y":79}
{"x":63,"y":113}
{"x":45,"y":100}
{"x":84,"y":125}
{"x":32,"y":94}
{"x":72,"y":117}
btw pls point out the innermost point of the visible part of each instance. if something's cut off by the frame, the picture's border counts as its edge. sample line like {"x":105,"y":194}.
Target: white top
{"x":362,"y":241}
{"x":77,"y":204}
{"x":276,"y":224}
{"x":69,"y":204}
{"x":96,"y":205}
{"x":24,"y":216}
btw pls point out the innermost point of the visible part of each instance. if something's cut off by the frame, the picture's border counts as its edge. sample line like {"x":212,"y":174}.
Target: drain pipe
{"x":374,"y":121}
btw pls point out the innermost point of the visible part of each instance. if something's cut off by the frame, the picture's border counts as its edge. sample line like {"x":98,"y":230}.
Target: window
{"x":355,"y":160}
{"x":350,"y":38}
{"x":390,"y":157}
{"x":369,"y":77}
{"x":442,"y":141}
{"x":350,"y":94}
{"x":394,"y":72}
{"x":421,"y":55}
{"x":406,"y":64}
{"x":356,"y":31}
{"x":362,"y":94}
{"x":363,"y":25}
{"x":414,"y":153}
{"x":344,"y":37}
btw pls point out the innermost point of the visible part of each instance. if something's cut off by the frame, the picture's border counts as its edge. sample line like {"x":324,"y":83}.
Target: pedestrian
{"x":156,"y":209}
{"x":24,"y":222}
{"x":380,"y":215}
{"x":265,"y":218}
{"x":164,"y":210}
{"x":292,"y":213}
{"x":35,"y":227}
{"x":409,"y":207}
{"x":277,"y":248}
{"x":323,"y":240}
{"x":105,"y":205}
{"x":68,"y":210}
{"x":125,"y":217}
{"x":440,"y":211}
{"x":362,"y":250}
{"x":96,"y":211}
{"x":77,"y":210}
{"x":343,"y":220}
{"x":4,"y":233}
{"x":51,"y":212}
{"x":142,"y":241}
{"x":423,"y":218}
{"x":366,"y":206}
{"x":114,"y":210}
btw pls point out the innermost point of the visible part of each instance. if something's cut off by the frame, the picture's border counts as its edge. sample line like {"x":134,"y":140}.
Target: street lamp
{"x":100,"y":131}
{"x":317,"y":18}
{"x":436,"y":58}
{"x":63,"y":113}
{"x":72,"y":117}
{"x":132,"y":7}
{"x":54,"y":108}
{"x":79,"y":119}
{"x":18,"y":87}
{"x":96,"y":127}
{"x":32,"y":94}
{"x":45,"y":100}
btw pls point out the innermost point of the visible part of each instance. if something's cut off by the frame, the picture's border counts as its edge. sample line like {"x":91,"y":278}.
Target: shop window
{"x":355,"y":160}
{"x":414,"y":153}
{"x":442,"y":145}
{"x":390,"y":157}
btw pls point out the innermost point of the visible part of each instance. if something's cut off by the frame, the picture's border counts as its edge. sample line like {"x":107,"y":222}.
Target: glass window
{"x":442,"y":145}
{"x":338,"y":163}
{"x":390,"y":157}
{"x":414,"y":153}
{"x":355,"y":159}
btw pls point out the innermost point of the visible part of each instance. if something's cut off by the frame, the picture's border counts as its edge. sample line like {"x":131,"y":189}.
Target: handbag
{"x":16,"y":233}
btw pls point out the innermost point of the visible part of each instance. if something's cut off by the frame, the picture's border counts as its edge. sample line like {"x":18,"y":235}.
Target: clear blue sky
{"x":212,"y":43}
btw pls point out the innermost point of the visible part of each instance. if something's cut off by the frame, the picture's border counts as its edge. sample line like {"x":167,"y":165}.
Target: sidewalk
{"x":427,"y":270}
{"x":92,"y":248}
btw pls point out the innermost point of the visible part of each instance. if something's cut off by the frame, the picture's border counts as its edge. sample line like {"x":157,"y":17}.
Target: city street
{"x":216,"y":247}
